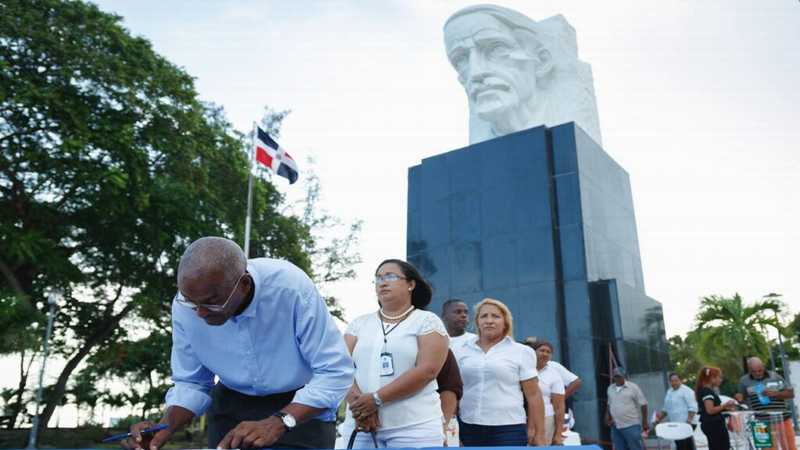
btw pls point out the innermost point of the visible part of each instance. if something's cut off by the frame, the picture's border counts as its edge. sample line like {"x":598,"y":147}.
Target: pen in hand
{"x":119,"y":437}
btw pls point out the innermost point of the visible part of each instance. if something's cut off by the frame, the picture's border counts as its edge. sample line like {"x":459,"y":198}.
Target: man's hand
{"x":258,"y":434}
{"x":369,"y":423}
{"x":147,"y":441}
{"x":609,"y":421}
{"x":772,"y":394}
{"x":363,"y":406}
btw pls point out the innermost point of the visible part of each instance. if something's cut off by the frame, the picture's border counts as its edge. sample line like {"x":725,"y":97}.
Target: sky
{"x":698,"y":101}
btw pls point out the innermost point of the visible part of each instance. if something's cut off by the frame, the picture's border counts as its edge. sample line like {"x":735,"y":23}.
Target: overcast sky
{"x":698,"y":101}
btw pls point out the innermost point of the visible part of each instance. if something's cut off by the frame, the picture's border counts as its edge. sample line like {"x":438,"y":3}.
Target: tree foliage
{"x":332,"y":247}
{"x":109,"y":167}
{"x":683,"y":354}
{"x":730,"y":330}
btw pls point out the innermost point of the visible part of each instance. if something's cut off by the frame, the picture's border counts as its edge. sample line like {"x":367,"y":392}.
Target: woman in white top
{"x":398,"y":351}
{"x":552,"y":387}
{"x":498,"y":373}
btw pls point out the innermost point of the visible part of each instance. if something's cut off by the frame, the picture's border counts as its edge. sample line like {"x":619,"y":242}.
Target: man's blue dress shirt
{"x":284,"y":340}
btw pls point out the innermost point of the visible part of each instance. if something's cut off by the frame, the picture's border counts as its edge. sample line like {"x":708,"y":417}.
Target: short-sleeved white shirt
{"x":566,"y":376}
{"x":678,"y":403}
{"x":550,"y":382}
{"x":401,"y":342}
{"x":456,"y":341}
{"x":492,"y":391}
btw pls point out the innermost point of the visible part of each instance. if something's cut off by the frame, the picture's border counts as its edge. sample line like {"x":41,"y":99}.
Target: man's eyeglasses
{"x":212,"y":308}
{"x":389,"y":277}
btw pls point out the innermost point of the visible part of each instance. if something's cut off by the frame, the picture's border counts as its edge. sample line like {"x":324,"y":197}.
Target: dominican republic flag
{"x":269,"y":154}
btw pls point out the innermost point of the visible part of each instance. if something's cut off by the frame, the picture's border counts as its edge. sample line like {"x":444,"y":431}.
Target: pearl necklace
{"x":386,"y":316}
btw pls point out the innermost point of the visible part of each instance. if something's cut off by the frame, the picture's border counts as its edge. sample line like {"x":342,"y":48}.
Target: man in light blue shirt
{"x":262,"y":328}
{"x":680,"y":405}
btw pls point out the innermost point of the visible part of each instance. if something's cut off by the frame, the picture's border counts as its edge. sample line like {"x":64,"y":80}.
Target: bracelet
{"x":377,"y":398}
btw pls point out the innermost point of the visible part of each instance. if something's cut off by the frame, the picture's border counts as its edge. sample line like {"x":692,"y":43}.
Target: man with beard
{"x":262,"y":328}
{"x":519,"y":73}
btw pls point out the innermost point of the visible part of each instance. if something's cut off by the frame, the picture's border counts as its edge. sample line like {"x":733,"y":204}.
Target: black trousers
{"x":686,"y":444}
{"x":229,"y":408}
{"x":717,"y":434}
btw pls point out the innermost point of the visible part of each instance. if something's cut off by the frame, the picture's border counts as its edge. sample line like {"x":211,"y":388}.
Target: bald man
{"x":768,"y":395}
{"x":262,"y":328}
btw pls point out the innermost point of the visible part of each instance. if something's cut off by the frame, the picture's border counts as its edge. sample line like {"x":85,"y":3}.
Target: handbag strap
{"x":353,"y":439}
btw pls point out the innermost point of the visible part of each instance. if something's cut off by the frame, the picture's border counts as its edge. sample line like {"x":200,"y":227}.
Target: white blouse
{"x":401,"y":343}
{"x":459,"y":340}
{"x":550,"y":382}
{"x":492,"y":391}
{"x":566,"y":376}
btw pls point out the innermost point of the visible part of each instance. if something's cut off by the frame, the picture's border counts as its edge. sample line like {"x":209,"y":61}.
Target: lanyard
{"x":385,"y":331}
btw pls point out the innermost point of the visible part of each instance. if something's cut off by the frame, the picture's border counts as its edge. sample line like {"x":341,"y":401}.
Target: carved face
{"x":497,"y":73}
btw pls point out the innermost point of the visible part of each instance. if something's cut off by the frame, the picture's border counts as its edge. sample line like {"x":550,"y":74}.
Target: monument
{"x":534,"y":212}
{"x":518,"y":73}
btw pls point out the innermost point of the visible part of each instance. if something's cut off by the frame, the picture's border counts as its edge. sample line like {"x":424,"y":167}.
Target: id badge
{"x":387,"y":365}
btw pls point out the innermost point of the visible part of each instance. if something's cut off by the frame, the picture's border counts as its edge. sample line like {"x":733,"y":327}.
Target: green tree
{"x":109,"y":167}
{"x":20,"y":334}
{"x":730,"y":330}
{"x":683,"y":355}
{"x":146,"y":379}
{"x":142,"y":364}
{"x":333,"y":244}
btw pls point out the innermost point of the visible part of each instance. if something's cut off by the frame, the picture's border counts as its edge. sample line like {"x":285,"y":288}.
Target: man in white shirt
{"x":455,"y":315}
{"x":679,"y":406}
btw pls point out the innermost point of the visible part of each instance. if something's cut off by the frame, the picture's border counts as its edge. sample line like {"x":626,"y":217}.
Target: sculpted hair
{"x":422,"y":293}
{"x":522,"y":27}
{"x":504,"y":311}
{"x":213,"y":254}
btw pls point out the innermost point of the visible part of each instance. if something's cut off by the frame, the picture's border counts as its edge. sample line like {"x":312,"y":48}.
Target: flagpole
{"x":249,"y":192}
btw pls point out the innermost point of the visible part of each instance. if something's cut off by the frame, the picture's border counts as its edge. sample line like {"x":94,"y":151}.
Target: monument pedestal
{"x":543,"y":220}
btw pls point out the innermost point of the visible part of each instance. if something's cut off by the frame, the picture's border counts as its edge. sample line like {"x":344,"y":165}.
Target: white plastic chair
{"x":673,"y":431}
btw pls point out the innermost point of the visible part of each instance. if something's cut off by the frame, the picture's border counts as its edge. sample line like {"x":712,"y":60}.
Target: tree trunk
{"x":97,"y":338}
{"x":23,"y":381}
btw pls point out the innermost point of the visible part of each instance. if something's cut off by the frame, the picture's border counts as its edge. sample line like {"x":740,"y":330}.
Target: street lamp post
{"x":51,"y":313}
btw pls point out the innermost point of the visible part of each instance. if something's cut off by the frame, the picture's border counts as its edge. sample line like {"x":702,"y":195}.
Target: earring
{"x":410,"y":289}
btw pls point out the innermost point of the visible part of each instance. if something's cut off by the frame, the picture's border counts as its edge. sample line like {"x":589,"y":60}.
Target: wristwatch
{"x":377,"y":398}
{"x":288,"y":420}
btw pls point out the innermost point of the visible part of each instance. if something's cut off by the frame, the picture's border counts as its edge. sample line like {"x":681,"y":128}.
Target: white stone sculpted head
{"x":518,"y":73}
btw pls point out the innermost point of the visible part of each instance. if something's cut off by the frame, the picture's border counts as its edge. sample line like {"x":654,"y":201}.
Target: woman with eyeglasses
{"x":498,"y":373}
{"x":712,"y":422}
{"x":398,"y":352}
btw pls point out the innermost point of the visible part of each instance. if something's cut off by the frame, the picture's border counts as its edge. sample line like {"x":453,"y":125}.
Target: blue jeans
{"x":628,"y":438}
{"x":493,"y":435}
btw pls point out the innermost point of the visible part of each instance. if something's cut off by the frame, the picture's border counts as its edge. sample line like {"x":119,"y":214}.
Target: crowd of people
{"x":417,"y":375}
{"x":761,"y":391}
{"x":256,"y":350}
